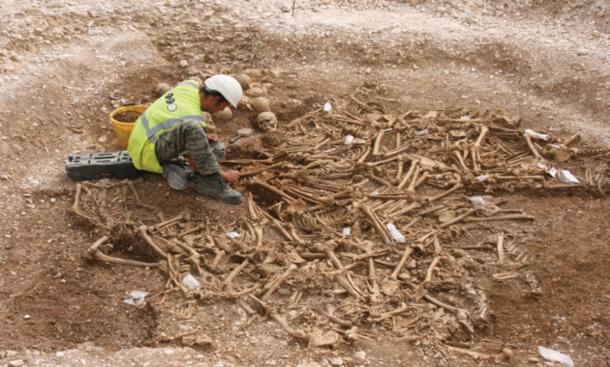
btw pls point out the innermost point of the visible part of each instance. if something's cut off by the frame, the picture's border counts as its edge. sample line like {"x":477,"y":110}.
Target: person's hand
{"x":230,"y":175}
{"x":213,"y":137}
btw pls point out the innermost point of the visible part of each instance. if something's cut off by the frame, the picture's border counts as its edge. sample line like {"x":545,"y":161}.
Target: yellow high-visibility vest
{"x":179,"y":104}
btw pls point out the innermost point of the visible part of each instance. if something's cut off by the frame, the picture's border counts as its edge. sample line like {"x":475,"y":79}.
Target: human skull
{"x":266,"y":121}
{"x":260,"y":104}
{"x":254,"y":73}
{"x":224,"y":115}
{"x":244,"y":80}
{"x":255,"y":92}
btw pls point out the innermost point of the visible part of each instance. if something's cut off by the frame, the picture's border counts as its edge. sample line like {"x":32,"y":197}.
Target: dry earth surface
{"x":64,"y":65}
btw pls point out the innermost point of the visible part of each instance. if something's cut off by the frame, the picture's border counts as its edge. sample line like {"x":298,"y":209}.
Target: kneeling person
{"x":174,"y":125}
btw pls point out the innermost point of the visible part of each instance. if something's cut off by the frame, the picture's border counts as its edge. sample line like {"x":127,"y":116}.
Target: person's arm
{"x":213,"y":137}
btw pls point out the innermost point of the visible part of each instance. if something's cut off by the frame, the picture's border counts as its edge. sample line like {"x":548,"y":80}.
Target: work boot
{"x":215,"y":186}
{"x":176,"y":175}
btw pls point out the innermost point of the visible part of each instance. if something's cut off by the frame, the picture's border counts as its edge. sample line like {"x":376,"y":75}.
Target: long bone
{"x":364,"y":155}
{"x":377,"y":143}
{"x":281,"y":320}
{"x":459,"y":218}
{"x":431,"y":268}
{"x":384,"y":161}
{"x":399,"y":168}
{"x":184,"y":215}
{"x":379,"y":180}
{"x":572,"y":139}
{"x":95,"y":253}
{"x":377,"y":224}
{"x":500,"y":247}
{"x":455,"y":187}
{"x":142,"y":231}
{"x":421,"y":179}
{"x":530,"y":144}
{"x":461,"y":314}
{"x":404,"y":210}
{"x":413,"y":182}
{"x":273,"y":285}
{"x":386,"y":315}
{"x":460,"y":160}
{"x":476,"y":148}
{"x":76,"y":204}
{"x":229,"y":279}
{"x":275,"y":190}
{"x":403,"y":260}
{"x":376,"y":294}
{"x":344,"y":281}
{"x":395,"y":206}
{"x":333,"y":318}
{"x":409,"y":173}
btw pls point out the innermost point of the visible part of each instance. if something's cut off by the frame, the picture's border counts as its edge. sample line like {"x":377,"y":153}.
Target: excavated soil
{"x":127,"y":116}
{"x":65,"y":66}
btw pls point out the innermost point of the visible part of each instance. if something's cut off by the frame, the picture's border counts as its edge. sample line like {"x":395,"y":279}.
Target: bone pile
{"x":362,"y":225}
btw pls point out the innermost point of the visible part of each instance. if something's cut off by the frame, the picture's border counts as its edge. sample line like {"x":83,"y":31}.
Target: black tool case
{"x":90,"y":166}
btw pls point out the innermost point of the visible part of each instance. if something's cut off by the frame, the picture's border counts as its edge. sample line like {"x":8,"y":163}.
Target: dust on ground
{"x":65,"y":66}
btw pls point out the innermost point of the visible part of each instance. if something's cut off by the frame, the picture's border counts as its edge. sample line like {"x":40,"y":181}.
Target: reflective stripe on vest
{"x":151,"y":132}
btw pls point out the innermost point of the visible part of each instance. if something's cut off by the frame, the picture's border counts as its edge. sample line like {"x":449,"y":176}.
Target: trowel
{"x":241,"y":133}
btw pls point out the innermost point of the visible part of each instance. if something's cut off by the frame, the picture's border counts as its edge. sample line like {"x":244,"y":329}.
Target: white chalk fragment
{"x":348,"y":139}
{"x":190,"y":282}
{"x":423,"y":132}
{"x":555,"y":356}
{"x":395,"y":233}
{"x":537,"y":135}
{"x":347,"y":231}
{"x":477,"y":200}
{"x":567,"y":177}
{"x":136,"y":298}
{"x":233,"y":235}
{"x":328,"y":107}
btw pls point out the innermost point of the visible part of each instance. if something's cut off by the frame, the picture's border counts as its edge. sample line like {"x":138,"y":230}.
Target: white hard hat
{"x":226,"y":85}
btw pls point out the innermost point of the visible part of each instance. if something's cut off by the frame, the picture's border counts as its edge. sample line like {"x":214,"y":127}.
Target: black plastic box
{"x":91,"y":166}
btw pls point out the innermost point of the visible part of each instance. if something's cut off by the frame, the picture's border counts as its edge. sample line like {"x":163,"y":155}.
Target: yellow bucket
{"x":122,"y":129}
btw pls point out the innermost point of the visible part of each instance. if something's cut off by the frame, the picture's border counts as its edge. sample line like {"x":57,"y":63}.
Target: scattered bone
{"x":96,"y":254}
{"x":314,"y":185}
{"x":433,"y":264}
{"x":142,"y":230}
{"x":277,"y":282}
{"x":500,"y":247}
{"x":235,"y":272}
{"x":405,"y":255}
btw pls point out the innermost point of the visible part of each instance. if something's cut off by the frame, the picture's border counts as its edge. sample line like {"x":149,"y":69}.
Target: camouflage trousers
{"x":189,"y":137}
